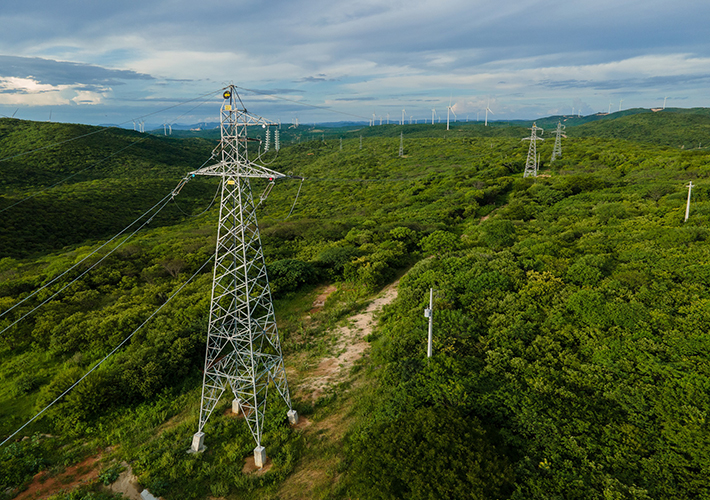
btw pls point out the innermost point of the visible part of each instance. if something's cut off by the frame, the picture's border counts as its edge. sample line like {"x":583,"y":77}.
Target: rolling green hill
{"x":668,"y":128}
{"x":103,"y":181}
{"x":571,"y":356}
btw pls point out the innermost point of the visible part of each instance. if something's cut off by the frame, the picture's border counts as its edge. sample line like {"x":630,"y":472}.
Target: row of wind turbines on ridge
{"x":434,"y":115}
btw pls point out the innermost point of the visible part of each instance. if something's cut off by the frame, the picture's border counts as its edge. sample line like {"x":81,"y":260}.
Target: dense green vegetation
{"x":571,"y":313}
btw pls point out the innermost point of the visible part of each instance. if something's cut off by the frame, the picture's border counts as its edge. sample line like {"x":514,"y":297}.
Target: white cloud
{"x":30,"y":92}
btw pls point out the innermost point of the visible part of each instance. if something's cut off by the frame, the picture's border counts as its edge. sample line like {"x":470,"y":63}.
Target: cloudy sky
{"x":91,"y":61}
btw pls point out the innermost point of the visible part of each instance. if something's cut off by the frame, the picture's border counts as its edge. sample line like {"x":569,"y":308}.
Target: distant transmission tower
{"x":243,"y":349}
{"x":531,"y":164}
{"x":559,"y":134}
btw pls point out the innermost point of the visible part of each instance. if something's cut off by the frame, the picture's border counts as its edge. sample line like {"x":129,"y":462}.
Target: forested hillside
{"x":82,"y":189}
{"x":571,"y":355}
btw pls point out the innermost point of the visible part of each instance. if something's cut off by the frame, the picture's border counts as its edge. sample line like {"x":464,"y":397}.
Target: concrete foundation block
{"x":292,"y":417}
{"x":259,"y":456}
{"x":198,"y":442}
{"x":236,"y":407}
{"x":147,"y":495}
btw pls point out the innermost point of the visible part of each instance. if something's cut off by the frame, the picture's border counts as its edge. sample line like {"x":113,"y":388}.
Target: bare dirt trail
{"x":315,"y":475}
{"x":349,"y":347}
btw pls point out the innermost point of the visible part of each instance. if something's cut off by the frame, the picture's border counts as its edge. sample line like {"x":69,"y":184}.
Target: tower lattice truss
{"x":243,"y":348}
{"x":559,"y":134}
{"x":532,"y":163}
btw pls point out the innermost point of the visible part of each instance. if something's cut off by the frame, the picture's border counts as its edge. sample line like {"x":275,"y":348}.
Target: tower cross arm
{"x":232,"y":169}
{"x":249,"y":119}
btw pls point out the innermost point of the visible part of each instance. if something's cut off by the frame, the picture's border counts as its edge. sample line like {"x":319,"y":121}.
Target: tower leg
{"x":236,"y":406}
{"x":259,"y":456}
{"x":292,"y":417}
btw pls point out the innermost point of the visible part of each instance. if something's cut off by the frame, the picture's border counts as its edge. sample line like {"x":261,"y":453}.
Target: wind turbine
{"x":388,"y":118}
{"x":433,"y":114}
{"x":449,"y":108}
{"x":620,"y":101}
{"x":609,"y":112}
{"x":488,"y":109}
{"x":664,"y":103}
{"x":402,"y":122}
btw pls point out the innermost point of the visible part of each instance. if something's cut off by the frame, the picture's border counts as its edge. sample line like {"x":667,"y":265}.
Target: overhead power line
{"x":74,"y":174}
{"x":123,"y":342}
{"x":104,"y":129}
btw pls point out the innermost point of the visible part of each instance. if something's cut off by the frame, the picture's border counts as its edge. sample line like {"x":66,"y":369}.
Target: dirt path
{"x":314,"y":476}
{"x":350,"y":346}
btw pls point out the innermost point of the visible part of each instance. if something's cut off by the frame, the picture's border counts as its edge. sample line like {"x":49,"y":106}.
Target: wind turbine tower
{"x":531,"y":164}
{"x":243,"y":348}
{"x":433,"y":114}
{"x":402,"y":122}
{"x":559,"y":134}
{"x":449,"y":109}
{"x":488,"y":109}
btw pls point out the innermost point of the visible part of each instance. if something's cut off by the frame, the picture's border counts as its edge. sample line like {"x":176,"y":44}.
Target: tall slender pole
{"x":430,"y":314}
{"x":687,"y":207}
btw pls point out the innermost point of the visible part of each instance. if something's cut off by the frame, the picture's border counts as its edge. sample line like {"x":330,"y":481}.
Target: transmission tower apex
{"x":243,"y":351}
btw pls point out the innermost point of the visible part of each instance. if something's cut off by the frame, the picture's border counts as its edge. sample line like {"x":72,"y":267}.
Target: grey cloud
{"x":356,"y":99}
{"x":48,"y":71}
{"x":629,"y":83}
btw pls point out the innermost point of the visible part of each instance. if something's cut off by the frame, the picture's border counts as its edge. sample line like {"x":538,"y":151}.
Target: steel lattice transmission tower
{"x":243,"y":348}
{"x":531,"y":164}
{"x":559,"y":134}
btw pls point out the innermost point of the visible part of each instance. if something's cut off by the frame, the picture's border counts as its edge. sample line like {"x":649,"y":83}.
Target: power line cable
{"x":261,"y":92}
{"x":206,"y":209}
{"x":107,"y":356}
{"x":104,"y":129}
{"x":74,"y":174}
{"x":164,"y":202}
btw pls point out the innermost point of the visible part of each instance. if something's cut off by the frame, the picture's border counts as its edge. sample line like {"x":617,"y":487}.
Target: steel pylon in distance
{"x":559,"y":134}
{"x":531,"y":164}
{"x":243,"y":348}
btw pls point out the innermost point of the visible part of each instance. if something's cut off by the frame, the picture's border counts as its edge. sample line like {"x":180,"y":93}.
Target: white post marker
{"x":687,"y":207}
{"x":429,"y":313}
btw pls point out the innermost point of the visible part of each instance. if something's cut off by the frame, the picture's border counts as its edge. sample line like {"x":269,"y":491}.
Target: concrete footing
{"x":236,"y":407}
{"x":259,"y":456}
{"x":147,"y":495}
{"x":292,"y":417}
{"x":198,"y":443}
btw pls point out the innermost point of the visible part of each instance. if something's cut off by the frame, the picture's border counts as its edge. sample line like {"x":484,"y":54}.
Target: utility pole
{"x":429,"y":313}
{"x":687,"y":206}
{"x":531,"y":164}
{"x":559,"y":134}
{"x":401,"y":144}
{"x":243,"y":348}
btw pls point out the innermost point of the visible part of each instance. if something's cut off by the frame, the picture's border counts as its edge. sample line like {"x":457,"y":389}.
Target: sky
{"x":165,"y":61}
